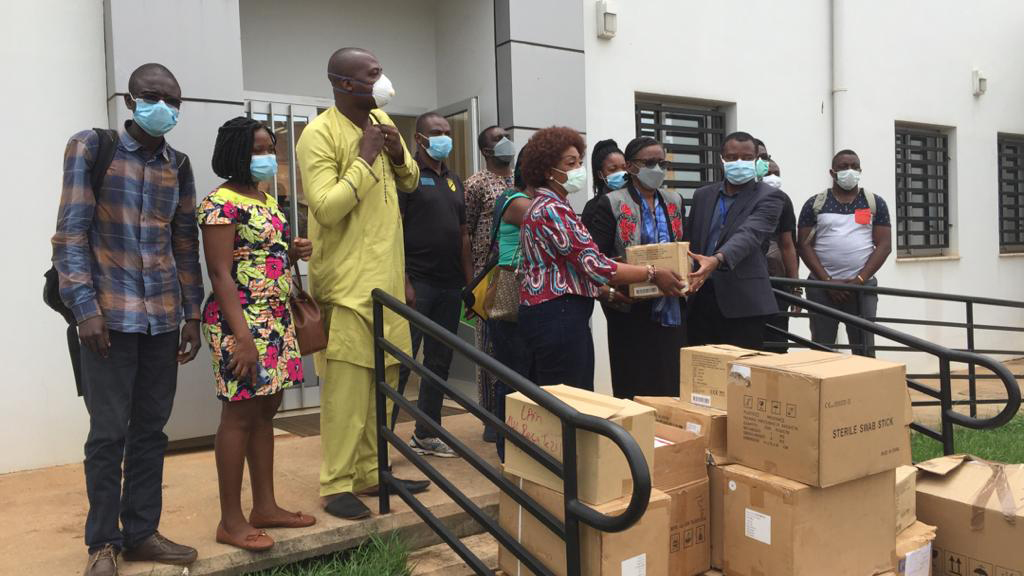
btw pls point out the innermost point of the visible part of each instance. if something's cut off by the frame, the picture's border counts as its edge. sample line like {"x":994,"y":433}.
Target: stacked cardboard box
{"x":604,"y":483}
{"x":914,"y":550}
{"x":680,"y":471}
{"x":978,"y":508}
{"x":704,"y":373}
{"x":817,"y":438}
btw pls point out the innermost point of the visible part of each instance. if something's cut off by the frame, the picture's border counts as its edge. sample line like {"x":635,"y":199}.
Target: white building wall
{"x":55,"y":84}
{"x":465,"y":56}
{"x":286,"y":45}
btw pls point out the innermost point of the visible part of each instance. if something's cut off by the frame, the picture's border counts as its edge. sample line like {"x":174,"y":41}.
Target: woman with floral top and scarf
{"x":644,"y":336}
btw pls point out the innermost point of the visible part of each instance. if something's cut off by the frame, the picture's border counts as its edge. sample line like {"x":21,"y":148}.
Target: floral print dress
{"x":264,"y":282}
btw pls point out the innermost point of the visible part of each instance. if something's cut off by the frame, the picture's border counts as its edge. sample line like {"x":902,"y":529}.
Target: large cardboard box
{"x":716,"y":478}
{"x":680,"y":471}
{"x":672,"y":256}
{"x":708,"y":422}
{"x":704,"y":373}
{"x":906,"y":497}
{"x":978,"y":508}
{"x":603,"y":473}
{"x":816,"y":417}
{"x":778,"y":527}
{"x":914,"y":550}
{"x":643,"y":549}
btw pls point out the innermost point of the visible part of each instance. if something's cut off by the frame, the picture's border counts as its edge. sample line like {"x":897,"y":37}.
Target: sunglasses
{"x":663,"y":164}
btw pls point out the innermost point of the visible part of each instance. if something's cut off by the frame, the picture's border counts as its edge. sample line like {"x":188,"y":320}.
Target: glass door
{"x":287,"y":122}
{"x":465,"y":123}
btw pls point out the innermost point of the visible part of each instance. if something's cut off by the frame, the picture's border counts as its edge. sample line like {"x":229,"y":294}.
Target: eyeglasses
{"x":154,"y":97}
{"x":651,"y":163}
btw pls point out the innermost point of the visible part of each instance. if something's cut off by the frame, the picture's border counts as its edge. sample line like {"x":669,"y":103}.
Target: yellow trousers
{"x":348,"y":419}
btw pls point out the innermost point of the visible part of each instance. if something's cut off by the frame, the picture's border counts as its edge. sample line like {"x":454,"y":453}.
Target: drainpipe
{"x":837,"y":44}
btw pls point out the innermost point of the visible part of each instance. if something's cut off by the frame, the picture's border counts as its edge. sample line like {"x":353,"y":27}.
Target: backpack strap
{"x":872,"y":202}
{"x":104,"y":157}
{"x":819,"y":203}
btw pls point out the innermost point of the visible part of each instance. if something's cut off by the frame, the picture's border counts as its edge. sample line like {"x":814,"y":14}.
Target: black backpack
{"x":51,"y":287}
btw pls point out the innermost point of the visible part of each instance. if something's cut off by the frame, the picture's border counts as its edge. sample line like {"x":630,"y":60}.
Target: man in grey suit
{"x":729,"y":225}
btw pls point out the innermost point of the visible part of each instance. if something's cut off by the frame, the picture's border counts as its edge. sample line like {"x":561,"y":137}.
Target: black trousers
{"x":707,"y":325}
{"x":776,"y":342}
{"x":129,"y":396}
{"x":643,"y":354}
{"x":559,"y":342}
{"x":442,"y":305}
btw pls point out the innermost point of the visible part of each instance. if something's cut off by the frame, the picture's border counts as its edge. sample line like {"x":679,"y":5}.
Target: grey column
{"x":199,"y":41}
{"x":540,"y":68}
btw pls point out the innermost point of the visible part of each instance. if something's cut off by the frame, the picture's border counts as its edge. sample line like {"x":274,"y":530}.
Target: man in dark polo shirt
{"x":438,"y":264}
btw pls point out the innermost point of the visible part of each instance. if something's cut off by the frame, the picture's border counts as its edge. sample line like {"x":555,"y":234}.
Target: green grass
{"x":1004,"y":444}
{"x":378,"y":556}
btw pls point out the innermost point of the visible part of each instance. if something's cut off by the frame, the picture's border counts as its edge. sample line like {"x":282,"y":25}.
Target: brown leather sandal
{"x":296,"y":520}
{"x":258,"y":541}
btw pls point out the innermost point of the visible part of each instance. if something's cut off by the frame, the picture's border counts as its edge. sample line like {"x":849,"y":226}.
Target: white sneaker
{"x":431,"y":447}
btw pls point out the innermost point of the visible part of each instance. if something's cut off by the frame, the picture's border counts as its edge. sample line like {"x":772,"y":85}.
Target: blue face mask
{"x":440,"y":146}
{"x":155,"y":118}
{"x":616,"y":180}
{"x":739,"y":172}
{"x":263,"y":167}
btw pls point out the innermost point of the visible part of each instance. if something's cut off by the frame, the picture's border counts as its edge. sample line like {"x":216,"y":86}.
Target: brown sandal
{"x":297,"y":520}
{"x":258,"y":541}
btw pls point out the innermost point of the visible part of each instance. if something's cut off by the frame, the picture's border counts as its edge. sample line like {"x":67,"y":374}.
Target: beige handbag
{"x":502,"y":300}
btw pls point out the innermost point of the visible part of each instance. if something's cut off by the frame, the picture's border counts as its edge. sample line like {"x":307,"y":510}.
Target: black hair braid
{"x":232,"y":152}
{"x":602,"y":150}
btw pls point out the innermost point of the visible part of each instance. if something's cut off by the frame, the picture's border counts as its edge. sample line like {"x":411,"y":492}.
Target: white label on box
{"x":700,"y":400}
{"x":693,"y":427}
{"x":635,"y":566}
{"x":758,"y":526}
{"x":659,"y":442}
{"x":919,"y":562}
{"x":741,"y":371}
{"x":646,"y":290}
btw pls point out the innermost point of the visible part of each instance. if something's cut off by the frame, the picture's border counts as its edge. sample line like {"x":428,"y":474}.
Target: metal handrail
{"x":945,"y":355}
{"x":572,"y":420}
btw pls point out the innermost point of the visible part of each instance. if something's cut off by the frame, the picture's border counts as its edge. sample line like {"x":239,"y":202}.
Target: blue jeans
{"x":510,"y":350}
{"x":443,"y":306}
{"x":129,"y":396}
{"x":558,"y":339}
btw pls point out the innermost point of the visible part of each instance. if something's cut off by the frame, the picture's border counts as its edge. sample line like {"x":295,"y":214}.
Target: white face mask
{"x":383,"y":91}
{"x":773,"y":181}
{"x":575,"y":180}
{"x":848,"y":179}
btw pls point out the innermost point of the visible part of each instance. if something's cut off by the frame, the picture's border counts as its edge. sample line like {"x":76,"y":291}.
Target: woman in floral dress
{"x":248,"y":326}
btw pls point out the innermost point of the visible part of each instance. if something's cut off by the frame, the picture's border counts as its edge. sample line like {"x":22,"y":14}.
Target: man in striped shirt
{"x":127,"y":255}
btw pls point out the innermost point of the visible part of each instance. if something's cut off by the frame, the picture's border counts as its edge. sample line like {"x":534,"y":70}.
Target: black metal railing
{"x":575,"y":511}
{"x":970,"y":356}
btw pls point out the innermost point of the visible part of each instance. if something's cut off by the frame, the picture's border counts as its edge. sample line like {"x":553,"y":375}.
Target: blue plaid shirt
{"x":131,"y":254}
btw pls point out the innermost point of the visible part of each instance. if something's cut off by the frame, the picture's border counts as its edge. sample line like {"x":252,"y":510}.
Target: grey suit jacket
{"x":741,"y":286}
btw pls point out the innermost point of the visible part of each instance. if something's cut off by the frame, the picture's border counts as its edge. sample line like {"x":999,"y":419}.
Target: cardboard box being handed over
{"x":672,"y":256}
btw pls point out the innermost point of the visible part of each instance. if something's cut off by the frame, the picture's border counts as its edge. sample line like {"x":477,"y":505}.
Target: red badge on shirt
{"x":862,"y":216}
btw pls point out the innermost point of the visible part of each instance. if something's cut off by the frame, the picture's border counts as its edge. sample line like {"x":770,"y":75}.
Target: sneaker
{"x":431,"y":447}
{"x":102,"y":562}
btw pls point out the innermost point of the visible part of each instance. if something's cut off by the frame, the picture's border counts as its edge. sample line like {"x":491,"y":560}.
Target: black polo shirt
{"x":433,"y":216}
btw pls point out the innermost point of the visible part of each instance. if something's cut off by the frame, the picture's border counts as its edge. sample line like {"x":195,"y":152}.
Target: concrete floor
{"x":42,"y":512}
{"x":986,"y":389}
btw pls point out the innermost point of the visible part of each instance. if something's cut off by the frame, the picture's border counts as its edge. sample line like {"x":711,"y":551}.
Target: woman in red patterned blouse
{"x":563,"y":269}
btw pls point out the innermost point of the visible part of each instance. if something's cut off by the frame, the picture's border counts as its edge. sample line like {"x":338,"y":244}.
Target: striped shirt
{"x":131,"y":254}
{"x":559,"y":257}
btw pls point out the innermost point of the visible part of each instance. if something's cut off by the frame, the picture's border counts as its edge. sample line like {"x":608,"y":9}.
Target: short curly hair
{"x":545,"y":152}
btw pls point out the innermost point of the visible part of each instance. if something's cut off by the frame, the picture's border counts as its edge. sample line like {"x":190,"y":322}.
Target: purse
{"x":309,"y":326}
{"x":502,"y":302}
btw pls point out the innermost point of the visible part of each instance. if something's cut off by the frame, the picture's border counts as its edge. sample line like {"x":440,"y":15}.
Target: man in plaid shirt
{"x":128,"y":260}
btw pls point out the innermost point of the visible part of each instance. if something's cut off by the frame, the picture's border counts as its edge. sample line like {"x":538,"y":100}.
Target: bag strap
{"x":297,"y":276}
{"x":872,"y":202}
{"x":819,"y":202}
{"x":104,"y":157}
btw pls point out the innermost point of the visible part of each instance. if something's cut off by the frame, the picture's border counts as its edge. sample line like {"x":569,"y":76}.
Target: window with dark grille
{"x":1011,"y":194}
{"x":692,"y":136}
{"x":922,"y":191}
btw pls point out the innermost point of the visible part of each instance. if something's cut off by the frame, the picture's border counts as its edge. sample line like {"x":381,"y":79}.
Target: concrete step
{"x":441,"y":560}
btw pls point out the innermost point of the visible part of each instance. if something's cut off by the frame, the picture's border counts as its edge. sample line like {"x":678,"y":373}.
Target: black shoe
{"x":347,"y":507}
{"x":413,"y":486}
{"x":156,"y":548}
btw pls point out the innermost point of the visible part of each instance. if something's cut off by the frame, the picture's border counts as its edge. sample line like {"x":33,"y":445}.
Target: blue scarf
{"x":666,"y":311}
